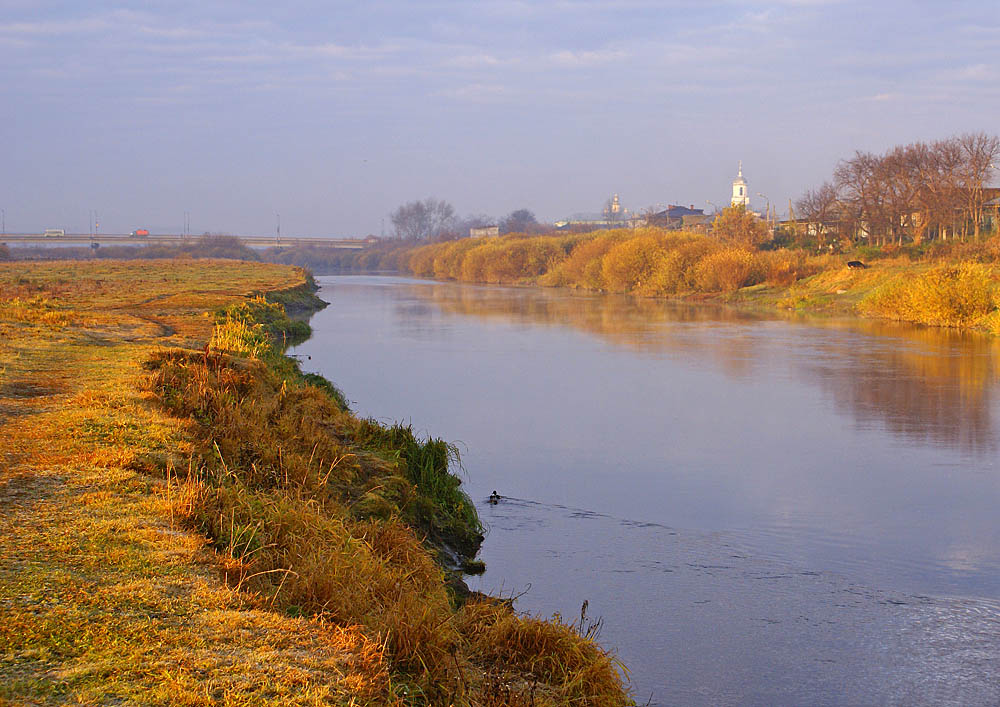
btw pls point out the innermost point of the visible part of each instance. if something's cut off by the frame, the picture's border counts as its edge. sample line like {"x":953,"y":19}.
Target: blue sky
{"x":334,"y":113}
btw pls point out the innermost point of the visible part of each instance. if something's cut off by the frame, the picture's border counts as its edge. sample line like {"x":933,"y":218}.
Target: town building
{"x":741,"y":195}
{"x":677,"y":217}
{"x":614,"y":215}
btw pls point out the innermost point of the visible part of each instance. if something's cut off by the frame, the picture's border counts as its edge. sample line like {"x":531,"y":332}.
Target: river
{"x":762,"y":509}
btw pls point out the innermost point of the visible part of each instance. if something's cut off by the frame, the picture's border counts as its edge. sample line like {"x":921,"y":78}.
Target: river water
{"x":762,"y":510}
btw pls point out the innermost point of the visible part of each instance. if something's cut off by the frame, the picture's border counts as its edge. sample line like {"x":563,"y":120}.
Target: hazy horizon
{"x":334,"y":114}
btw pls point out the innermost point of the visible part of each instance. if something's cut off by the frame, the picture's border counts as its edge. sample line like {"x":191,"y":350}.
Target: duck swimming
{"x":494,"y":498}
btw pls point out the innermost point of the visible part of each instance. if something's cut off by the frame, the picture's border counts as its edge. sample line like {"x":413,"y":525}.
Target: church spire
{"x":741,"y":195}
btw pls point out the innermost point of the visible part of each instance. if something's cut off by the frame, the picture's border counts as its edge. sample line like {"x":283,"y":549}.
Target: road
{"x":165,"y":239}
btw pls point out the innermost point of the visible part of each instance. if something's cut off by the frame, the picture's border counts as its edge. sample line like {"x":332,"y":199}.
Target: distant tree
{"x":423,"y":220}
{"x":519,"y":221}
{"x":819,"y":208}
{"x":736,"y":225}
{"x":612,"y":215}
{"x":980,"y":151}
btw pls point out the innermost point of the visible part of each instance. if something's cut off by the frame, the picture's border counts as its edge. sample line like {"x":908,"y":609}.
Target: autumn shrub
{"x":628,"y":265}
{"x":727,"y":270}
{"x":4,"y":252}
{"x":951,"y":295}
{"x":990,"y":249}
{"x":583,"y":266}
{"x":421,"y":261}
{"x":740,"y":227}
{"x":675,"y":270}
{"x":448,"y":258}
{"x":473,"y":268}
{"x":515,"y":260}
{"x":785,"y":267}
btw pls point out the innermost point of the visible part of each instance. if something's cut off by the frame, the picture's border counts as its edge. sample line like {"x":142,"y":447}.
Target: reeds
{"x":316,"y":512}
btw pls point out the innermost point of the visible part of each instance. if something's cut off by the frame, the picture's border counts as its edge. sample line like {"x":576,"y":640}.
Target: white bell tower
{"x":741,"y":197}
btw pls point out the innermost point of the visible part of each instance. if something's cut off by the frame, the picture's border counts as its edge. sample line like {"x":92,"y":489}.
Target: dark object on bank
{"x":856,"y":264}
{"x":494,"y":498}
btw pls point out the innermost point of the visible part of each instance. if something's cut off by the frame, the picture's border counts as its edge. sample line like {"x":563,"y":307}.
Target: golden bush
{"x":582,"y":267}
{"x":728,"y":270}
{"x":628,"y":265}
{"x":950,"y":295}
{"x":784,"y":267}
{"x":675,"y":271}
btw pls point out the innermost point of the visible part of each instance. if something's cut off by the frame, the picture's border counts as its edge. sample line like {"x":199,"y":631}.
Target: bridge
{"x":165,"y":239}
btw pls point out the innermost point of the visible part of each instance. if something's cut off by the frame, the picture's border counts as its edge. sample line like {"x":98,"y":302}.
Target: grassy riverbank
{"x":942,"y":284}
{"x":187,"y":519}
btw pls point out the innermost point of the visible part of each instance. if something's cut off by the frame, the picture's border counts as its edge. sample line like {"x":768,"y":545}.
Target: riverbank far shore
{"x":138,"y":516}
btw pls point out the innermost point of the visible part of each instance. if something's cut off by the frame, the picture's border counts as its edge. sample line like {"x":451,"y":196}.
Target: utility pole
{"x":3,"y":218}
{"x":767,"y":212}
{"x":279,"y":230}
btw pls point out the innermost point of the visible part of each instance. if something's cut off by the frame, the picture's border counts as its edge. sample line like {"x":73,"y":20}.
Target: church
{"x":741,"y":197}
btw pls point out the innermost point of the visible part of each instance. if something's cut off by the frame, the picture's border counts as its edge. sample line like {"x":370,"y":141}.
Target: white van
{"x":54,"y":232}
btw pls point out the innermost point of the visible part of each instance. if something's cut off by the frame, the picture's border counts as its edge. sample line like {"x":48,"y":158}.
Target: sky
{"x":332,"y":114}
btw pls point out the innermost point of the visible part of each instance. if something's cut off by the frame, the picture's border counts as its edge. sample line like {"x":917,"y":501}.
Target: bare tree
{"x":820,"y":208}
{"x":422,"y":220}
{"x":919,"y":190}
{"x":980,"y":152}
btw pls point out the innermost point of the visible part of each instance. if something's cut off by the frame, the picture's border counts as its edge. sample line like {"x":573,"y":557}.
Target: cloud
{"x":54,"y":28}
{"x":472,"y":61}
{"x":586,"y":58}
{"x":477,"y":93}
{"x":972,"y":72}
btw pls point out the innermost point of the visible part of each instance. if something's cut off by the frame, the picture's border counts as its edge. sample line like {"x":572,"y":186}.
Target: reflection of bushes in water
{"x":960,"y":295}
{"x":936,"y":386}
{"x":623,"y":320}
{"x":920,"y":388}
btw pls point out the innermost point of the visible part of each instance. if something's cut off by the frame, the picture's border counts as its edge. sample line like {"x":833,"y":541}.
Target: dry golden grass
{"x":962,"y":295}
{"x":102,"y":598}
{"x":309,"y":587}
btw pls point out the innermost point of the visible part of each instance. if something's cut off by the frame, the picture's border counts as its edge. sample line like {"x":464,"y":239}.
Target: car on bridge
{"x":139,"y":233}
{"x":54,"y":232}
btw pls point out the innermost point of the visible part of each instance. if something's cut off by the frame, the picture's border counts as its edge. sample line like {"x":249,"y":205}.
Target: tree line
{"x":911,"y":193}
{"x":435,"y":220}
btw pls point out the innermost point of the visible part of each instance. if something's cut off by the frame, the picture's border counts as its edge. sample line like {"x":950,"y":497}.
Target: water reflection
{"x":926,"y":385}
